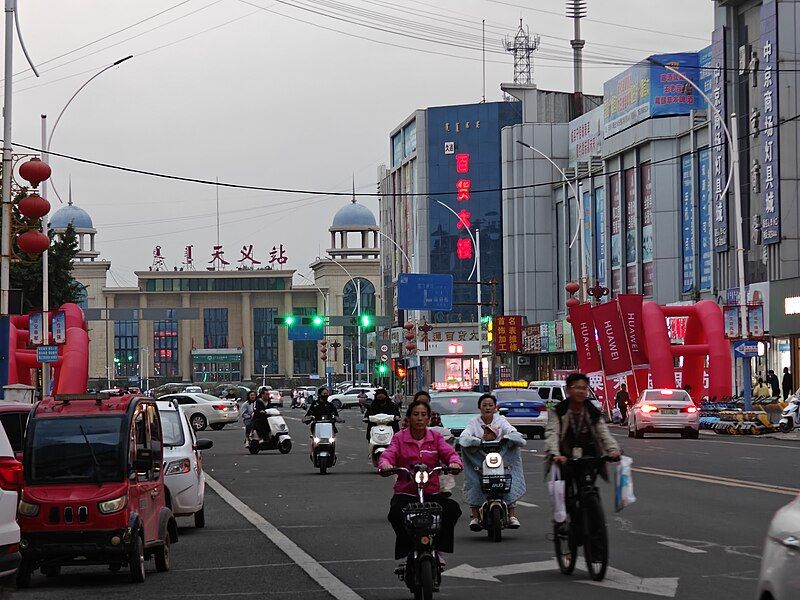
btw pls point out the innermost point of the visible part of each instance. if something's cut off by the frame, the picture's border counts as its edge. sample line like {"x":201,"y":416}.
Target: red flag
{"x":630,"y":305}
{"x":585,"y":339}
{"x":613,"y":339}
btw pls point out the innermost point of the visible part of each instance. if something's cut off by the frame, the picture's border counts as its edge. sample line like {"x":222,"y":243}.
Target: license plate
{"x":669,"y":411}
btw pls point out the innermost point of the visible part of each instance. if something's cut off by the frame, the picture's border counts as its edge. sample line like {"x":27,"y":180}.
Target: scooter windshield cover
{"x":323,"y":430}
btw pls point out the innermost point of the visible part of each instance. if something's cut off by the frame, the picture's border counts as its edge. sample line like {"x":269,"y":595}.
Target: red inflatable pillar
{"x":719,"y":352}
{"x":659,"y":352}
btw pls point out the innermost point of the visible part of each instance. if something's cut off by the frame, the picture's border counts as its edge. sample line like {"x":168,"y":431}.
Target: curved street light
{"x":396,"y":245}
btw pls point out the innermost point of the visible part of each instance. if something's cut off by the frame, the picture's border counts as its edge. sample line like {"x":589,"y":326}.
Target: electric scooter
{"x":322,"y":448}
{"x":381,"y":434}
{"x":790,"y":417}
{"x":278,"y":438}
{"x":495,"y":483}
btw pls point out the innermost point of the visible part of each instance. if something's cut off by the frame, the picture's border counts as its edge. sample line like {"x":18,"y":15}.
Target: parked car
{"x":204,"y":410}
{"x":10,"y":485}
{"x":456,"y":409}
{"x":664,"y":411}
{"x":780,"y":560}
{"x":193,"y":389}
{"x":349,"y":399}
{"x":14,"y":419}
{"x":93,"y":490}
{"x":555,"y":390}
{"x":183,"y":464}
{"x":524,"y":409}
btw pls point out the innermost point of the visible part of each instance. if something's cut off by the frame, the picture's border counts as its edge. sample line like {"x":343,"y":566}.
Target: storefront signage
{"x":587,"y":233}
{"x":209,"y":358}
{"x":687,"y":223}
{"x":647,"y":229}
{"x":274,"y":258}
{"x":507,"y":334}
{"x":585,"y":338}
{"x":631,"y":232}
{"x":438,"y":339}
{"x":791,"y":305}
{"x":613,"y":339}
{"x":704,"y":216}
{"x":586,"y":136}
{"x":719,"y":146}
{"x":630,"y":306}
{"x":616,"y":235}
{"x":769,"y":135}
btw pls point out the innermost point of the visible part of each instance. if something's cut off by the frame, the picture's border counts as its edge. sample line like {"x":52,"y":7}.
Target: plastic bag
{"x":447,"y":483}
{"x":556,"y":488}
{"x":623,"y":484}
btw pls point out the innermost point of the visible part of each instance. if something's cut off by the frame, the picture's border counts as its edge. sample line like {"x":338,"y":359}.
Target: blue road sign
{"x":46,"y":354}
{"x":745,"y":348}
{"x":425,"y":292}
{"x":299,"y":333}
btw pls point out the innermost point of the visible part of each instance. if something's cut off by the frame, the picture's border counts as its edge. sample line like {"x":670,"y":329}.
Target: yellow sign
{"x":512,"y":384}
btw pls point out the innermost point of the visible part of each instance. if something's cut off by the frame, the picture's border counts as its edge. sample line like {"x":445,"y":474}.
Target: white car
{"x":349,"y":399}
{"x":554,"y":391}
{"x":780,"y":561}
{"x":205,"y":410}
{"x":664,"y":411}
{"x":183,"y":464}
{"x":10,"y":484}
{"x":193,"y":389}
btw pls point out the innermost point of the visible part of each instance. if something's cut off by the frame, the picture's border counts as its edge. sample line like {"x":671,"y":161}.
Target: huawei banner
{"x":630,"y":306}
{"x":585,"y":339}
{"x":613,"y":339}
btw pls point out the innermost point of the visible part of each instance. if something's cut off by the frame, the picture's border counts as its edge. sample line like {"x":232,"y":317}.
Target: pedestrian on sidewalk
{"x":788,"y":383}
{"x":761,"y":390}
{"x":772,"y":379}
{"x":622,"y":399}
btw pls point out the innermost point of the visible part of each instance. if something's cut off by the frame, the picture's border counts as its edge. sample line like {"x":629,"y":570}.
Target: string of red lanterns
{"x":33,"y":206}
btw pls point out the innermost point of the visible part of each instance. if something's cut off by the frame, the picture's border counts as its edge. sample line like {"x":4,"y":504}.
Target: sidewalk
{"x":793,"y":436}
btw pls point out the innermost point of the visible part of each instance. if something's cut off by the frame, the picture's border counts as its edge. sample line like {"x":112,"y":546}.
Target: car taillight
{"x":648,"y":408}
{"x":10,"y":474}
{"x":218,"y":406}
{"x":689,"y":409}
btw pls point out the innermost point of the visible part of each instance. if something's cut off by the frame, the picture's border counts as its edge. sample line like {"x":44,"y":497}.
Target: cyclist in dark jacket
{"x":321,"y":408}
{"x":382,"y":404}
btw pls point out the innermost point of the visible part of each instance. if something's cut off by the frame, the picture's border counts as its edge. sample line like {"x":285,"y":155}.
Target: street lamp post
{"x":357,"y":286}
{"x":264,"y":375}
{"x":328,"y":376}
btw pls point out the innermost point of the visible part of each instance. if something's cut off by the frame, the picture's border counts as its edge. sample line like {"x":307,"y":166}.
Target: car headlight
{"x":332,"y":440}
{"x":112,"y":506}
{"x":27,"y":509}
{"x":316,"y":440}
{"x":178,"y":467}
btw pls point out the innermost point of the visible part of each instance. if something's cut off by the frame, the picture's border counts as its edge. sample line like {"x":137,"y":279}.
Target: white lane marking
{"x":334,"y":586}
{"x":688,"y":549}
{"x":750,"y":485}
{"x":715,"y":441}
{"x":528,"y":504}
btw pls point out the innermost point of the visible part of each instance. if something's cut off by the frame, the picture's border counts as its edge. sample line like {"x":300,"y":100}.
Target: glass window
{"x":215,"y":328}
{"x":265,"y":340}
{"x":159,"y":285}
{"x":173,"y":428}
{"x":150,"y":285}
{"x":168,"y":285}
{"x":14,"y":426}
{"x":397,"y":149}
{"x":126,"y":349}
{"x":305,"y":357}
{"x":410,"y":139}
{"x":184,"y":285}
{"x":351,"y":341}
{"x":165,"y":348}
{"x":194,"y":285}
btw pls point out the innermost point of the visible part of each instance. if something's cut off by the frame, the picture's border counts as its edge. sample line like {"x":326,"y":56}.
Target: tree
{"x":26,"y":270}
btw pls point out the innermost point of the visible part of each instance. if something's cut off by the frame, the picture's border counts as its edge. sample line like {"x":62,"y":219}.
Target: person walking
{"x":773,"y":382}
{"x":622,"y":399}
{"x":788,"y":383}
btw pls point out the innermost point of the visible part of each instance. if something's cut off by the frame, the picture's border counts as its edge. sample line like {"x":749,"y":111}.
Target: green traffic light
{"x":130,"y":358}
{"x":289,"y":320}
{"x":116,"y":359}
{"x":382,"y":369}
{"x":318,"y":320}
{"x":365,"y":320}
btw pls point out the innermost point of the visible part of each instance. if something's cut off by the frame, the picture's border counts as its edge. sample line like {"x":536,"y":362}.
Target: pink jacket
{"x":405,"y":451}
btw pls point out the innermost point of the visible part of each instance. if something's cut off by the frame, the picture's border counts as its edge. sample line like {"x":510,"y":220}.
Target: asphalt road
{"x":278,"y":529}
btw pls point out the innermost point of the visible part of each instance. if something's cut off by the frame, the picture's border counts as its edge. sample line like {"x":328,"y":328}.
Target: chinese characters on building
{"x":249,"y":258}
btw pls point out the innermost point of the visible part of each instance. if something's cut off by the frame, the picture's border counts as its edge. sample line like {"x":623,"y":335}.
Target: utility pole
{"x":576,"y":10}
{"x":480,"y":308}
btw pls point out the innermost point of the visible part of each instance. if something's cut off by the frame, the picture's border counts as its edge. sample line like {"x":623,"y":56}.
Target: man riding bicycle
{"x":576,"y":429}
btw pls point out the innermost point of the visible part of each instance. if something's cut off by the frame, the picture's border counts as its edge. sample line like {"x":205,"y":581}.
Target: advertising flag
{"x":59,"y":327}
{"x":613,"y":339}
{"x":585,"y":338}
{"x":630,"y":306}
{"x":35,"y":328}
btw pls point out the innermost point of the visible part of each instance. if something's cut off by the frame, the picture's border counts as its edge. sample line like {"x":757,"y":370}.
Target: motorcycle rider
{"x":575,"y":427}
{"x":321,"y":409}
{"x":382,"y":404}
{"x":248,"y":410}
{"x":260,"y":418}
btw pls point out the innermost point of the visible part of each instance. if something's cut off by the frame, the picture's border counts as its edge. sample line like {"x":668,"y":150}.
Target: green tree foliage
{"x":26,"y":270}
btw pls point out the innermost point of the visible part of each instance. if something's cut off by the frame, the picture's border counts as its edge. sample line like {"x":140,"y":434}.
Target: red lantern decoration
{"x":572,"y":302}
{"x":409,"y":325}
{"x":34,"y":206}
{"x":323,"y":343}
{"x":411,"y":346}
{"x":409,"y":336}
{"x":572,"y":287}
{"x":33,"y":242}
{"x":324,"y":357}
{"x":35,"y":171}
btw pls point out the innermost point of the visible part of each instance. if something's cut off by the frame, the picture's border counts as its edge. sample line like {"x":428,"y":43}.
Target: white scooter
{"x":495,"y":483}
{"x":381,"y":434}
{"x":790,"y":417}
{"x":279,"y":438}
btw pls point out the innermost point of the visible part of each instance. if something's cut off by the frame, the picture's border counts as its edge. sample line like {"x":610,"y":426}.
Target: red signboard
{"x":508,"y":334}
{"x":585,"y":339}
{"x":613,"y":339}
{"x":630,"y":306}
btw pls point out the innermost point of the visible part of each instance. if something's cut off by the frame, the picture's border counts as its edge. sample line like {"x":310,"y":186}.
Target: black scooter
{"x":323,"y":442}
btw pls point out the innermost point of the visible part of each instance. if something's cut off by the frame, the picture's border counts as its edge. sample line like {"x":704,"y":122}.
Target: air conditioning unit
{"x":523,"y":360}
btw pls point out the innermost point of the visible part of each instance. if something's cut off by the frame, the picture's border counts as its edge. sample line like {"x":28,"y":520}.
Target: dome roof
{"x":71,"y":214}
{"x":353,"y":215}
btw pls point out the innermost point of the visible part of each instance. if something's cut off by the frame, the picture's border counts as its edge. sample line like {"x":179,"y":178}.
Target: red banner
{"x":507,"y":334}
{"x":613,"y":339}
{"x":630,"y":306}
{"x":585,"y":339}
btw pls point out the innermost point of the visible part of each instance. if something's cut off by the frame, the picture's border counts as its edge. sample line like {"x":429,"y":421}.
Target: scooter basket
{"x":423,"y":518}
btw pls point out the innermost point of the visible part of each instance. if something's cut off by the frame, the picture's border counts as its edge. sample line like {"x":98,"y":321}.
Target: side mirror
{"x":203,"y":445}
{"x":503,"y":411}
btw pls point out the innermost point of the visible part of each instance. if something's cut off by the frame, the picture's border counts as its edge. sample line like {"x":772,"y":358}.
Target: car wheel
{"x":136,"y":560}
{"x":638,"y":434}
{"x":23,"y":579}
{"x":217,"y":426}
{"x":200,"y":518}
{"x":337,"y":404}
{"x":199,"y":422}
{"x":162,"y":555}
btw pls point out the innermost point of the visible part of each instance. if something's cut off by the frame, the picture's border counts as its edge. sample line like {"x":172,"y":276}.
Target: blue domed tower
{"x":82,"y":224}
{"x":354,"y":233}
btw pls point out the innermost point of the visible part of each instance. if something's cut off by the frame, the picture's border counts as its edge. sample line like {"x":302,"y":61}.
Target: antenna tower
{"x":522,"y":46}
{"x":576,"y":10}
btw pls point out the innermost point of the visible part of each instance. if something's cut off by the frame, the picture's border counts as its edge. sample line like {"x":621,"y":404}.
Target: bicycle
{"x":586,"y":523}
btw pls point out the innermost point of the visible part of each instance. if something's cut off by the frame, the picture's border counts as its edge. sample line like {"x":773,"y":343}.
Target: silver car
{"x":664,"y":411}
{"x":205,"y":410}
{"x":780,"y":561}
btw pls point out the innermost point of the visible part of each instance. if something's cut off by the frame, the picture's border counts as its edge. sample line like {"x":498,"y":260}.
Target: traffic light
{"x":318,"y":321}
{"x":401,"y":372}
{"x":289,"y":320}
{"x":365,"y":321}
{"x":381,"y":369}
{"x":489,"y":328}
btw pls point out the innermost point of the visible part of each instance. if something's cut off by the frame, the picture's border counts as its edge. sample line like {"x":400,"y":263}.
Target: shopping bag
{"x":555,"y":486}
{"x":447,"y":483}
{"x":623,"y":484}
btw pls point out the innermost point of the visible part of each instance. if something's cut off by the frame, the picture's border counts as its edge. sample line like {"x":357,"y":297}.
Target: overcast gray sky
{"x":282,"y":97}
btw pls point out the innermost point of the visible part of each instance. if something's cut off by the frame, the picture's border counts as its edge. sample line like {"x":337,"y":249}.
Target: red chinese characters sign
{"x":508,"y":334}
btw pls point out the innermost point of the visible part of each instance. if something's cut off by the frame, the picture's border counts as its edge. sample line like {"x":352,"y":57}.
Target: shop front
{"x":547,"y":348}
{"x":784,"y":315}
{"x":223,"y":364}
{"x":449,"y":355}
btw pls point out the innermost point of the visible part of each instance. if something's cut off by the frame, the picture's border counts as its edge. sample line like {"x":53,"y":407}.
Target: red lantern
{"x":572,"y":287}
{"x":34,"y":206}
{"x":35,"y":171}
{"x":410,"y":346}
{"x":409,"y":336}
{"x":324,"y":357}
{"x":572,"y":302}
{"x":323,"y":343}
{"x":33,"y":242}
{"x":409,"y":325}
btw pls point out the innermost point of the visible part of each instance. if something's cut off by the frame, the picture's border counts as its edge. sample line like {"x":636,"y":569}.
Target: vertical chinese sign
{"x":464,"y":249}
{"x":719,"y":169}
{"x":647,"y":229}
{"x":631,"y":231}
{"x":770,"y":186}
{"x":616,"y":235}
{"x":687,"y":223}
{"x":508,"y":334}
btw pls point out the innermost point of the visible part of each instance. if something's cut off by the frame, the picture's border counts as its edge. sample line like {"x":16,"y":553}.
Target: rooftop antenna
{"x":354,"y":188}
{"x":576,"y":10}
{"x":522,"y":46}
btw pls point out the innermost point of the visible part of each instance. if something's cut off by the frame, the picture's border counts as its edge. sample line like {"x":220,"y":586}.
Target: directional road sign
{"x":46,"y":354}
{"x":417,"y":291}
{"x":745,"y":348}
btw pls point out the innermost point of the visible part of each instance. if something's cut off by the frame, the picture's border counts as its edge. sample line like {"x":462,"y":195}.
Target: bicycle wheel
{"x":426,"y":577}
{"x":595,"y":546}
{"x":566,"y":549}
{"x":495,"y":528}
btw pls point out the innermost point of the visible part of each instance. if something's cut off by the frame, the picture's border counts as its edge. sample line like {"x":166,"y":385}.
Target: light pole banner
{"x":613,"y":338}
{"x":630,"y":305}
{"x":35,"y":328}
{"x":719,"y":143}
{"x":59,"y":327}
{"x":585,"y":338}
{"x":770,"y":140}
